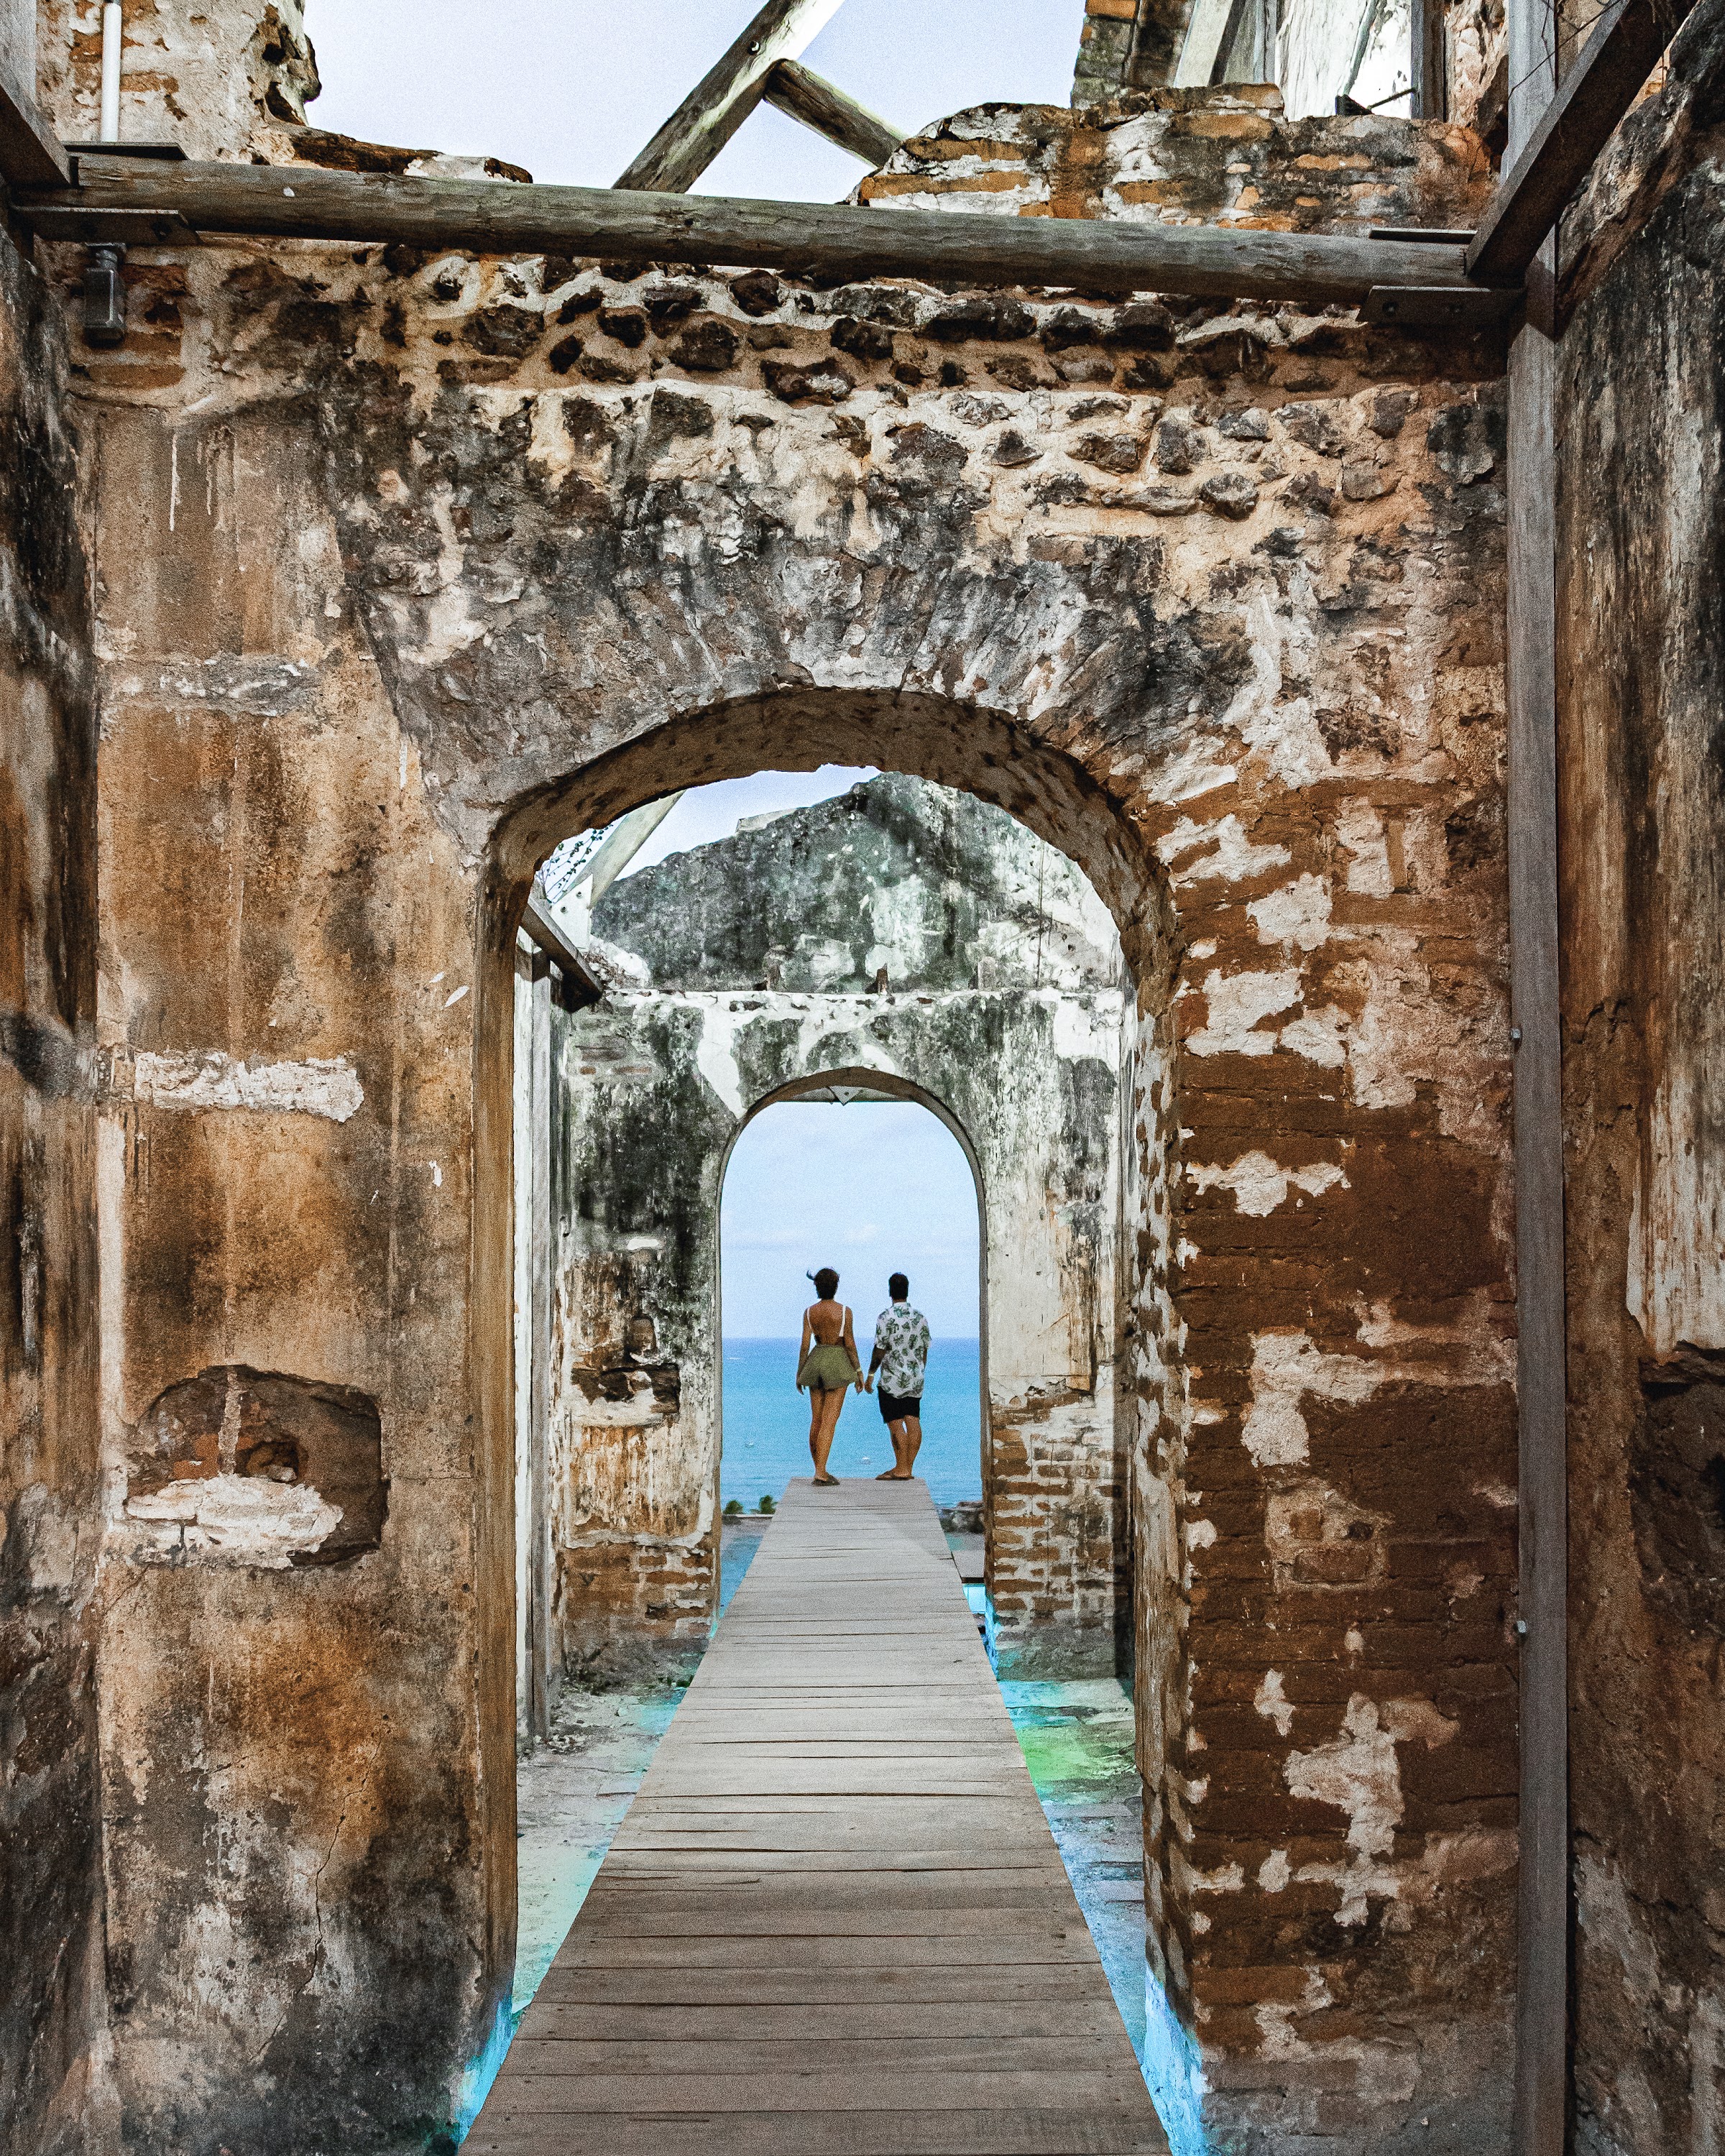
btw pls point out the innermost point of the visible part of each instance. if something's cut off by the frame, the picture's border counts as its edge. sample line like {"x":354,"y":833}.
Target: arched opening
{"x":872,"y":1183}
{"x":989,"y":987}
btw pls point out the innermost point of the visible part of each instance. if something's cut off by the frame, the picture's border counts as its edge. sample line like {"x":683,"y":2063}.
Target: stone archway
{"x":494,"y":608}
{"x":904,"y":943}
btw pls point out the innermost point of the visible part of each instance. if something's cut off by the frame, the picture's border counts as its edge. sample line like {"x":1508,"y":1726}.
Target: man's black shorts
{"x":900,"y":1407}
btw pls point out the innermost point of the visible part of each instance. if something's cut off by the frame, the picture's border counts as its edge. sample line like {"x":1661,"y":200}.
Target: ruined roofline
{"x":731,"y":914}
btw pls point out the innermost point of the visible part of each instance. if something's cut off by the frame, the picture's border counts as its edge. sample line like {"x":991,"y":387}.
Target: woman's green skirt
{"x":826,"y":1370}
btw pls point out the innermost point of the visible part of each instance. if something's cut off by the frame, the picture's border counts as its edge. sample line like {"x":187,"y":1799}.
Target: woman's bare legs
{"x":823,"y":1427}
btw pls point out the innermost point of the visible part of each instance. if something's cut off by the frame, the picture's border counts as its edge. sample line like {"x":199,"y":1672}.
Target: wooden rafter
{"x":1574,"y":128}
{"x":823,"y":107}
{"x":725,"y":96}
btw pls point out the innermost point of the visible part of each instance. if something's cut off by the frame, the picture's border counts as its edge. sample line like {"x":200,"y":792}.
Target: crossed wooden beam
{"x":1435,"y":280}
{"x":761,"y":68}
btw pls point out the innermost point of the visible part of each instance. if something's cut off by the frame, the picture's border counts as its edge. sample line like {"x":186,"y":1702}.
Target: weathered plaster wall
{"x":922,"y":938}
{"x":51,"y":1925}
{"x":220,"y":79}
{"x":1642,"y":635}
{"x":405,"y":567}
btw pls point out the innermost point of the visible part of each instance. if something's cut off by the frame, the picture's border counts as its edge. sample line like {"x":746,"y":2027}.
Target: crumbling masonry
{"x":358,"y":578}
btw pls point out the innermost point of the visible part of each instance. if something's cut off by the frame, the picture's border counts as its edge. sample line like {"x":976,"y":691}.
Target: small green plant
{"x":733,"y":1511}
{"x":767,"y":1505}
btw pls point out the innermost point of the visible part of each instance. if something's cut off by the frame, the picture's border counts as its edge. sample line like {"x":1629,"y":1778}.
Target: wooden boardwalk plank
{"x":834,"y":1922}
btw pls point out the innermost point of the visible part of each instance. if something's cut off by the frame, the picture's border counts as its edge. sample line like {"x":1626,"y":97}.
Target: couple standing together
{"x":829,"y":1365}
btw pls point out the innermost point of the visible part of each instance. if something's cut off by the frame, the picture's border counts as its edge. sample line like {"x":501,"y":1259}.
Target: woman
{"x":827,"y":1363}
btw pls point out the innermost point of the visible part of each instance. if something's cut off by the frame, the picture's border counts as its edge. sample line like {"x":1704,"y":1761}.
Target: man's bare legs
{"x":823,"y":1427}
{"x":906,"y":1442}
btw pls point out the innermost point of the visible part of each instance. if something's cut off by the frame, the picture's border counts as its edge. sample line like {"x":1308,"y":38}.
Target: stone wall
{"x":1642,"y":642}
{"x":915,"y":942}
{"x":405,"y":567}
{"x":50,"y":1930}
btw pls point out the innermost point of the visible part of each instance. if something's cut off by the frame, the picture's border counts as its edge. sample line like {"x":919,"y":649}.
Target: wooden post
{"x":543,"y":1557}
{"x":725,"y":96}
{"x":1542,"y":2006}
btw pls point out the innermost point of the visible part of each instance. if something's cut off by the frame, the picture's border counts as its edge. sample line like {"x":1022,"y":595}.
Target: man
{"x":901,"y":1358}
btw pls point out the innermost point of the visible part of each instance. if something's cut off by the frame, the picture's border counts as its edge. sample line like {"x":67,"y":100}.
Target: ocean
{"x":765,"y":1440}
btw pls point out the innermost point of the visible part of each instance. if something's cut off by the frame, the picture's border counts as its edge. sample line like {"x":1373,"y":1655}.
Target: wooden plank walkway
{"x":834,"y":1922}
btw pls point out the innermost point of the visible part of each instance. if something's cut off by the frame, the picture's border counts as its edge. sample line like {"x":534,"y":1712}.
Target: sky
{"x":870,"y":1188}
{"x":572,"y":88}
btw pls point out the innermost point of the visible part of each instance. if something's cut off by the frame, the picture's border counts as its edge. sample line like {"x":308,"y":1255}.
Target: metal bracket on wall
{"x":1434,"y":306}
{"x":113,"y":228}
{"x":104,"y":297}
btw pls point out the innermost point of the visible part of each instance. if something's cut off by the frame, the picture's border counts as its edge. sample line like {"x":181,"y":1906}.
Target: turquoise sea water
{"x":766,"y":1437}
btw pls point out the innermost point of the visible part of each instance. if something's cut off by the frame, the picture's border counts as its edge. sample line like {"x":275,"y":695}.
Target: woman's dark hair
{"x":826,"y":1283}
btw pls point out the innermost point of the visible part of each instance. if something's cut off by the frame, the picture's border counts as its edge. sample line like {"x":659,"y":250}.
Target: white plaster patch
{"x":1086,"y":1030}
{"x":320,"y":1086}
{"x":1284,"y":1367}
{"x":1195,"y":770}
{"x":229,"y":1520}
{"x":1359,"y":1773}
{"x":716,"y":1059}
{"x":1317,"y":1034}
{"x":1229,"y":852}
{"x":1237,"y":1002}
{"x":1275,"y":1872}
{"x":1298,"y":914}
{"x":1277,"y":2039}
{"x":1282,"y":729}
{"x":1259,"y":1185}
{"x":1272,"y":1702}
{"x":1360,"y":828}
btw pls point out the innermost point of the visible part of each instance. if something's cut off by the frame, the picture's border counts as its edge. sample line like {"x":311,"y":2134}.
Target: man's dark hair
{"x":826,"y":1283}
{"x":898,"y":1287}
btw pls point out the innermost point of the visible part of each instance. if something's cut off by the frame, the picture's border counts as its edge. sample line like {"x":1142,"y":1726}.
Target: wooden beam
{"x":31,"y":154}
{"x":1542,"y":1890}
{"x":1201,"y":48}
{"x":824,"y":107}
{"x":490,"y":216}
{"x":539,"y":928}
{"x":725,"y":96}
{"x":623,"y":841}
{"x":1571,"y":131}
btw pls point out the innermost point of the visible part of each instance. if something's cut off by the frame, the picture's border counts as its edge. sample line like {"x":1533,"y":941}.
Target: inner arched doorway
{"x":935,"y":952}
{"x":870,"y":1182}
